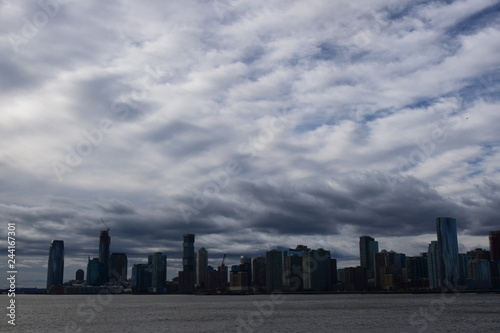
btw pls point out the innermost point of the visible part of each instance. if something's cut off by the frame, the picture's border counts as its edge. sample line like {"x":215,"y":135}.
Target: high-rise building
{"x":367,"y":249}
{"x":141,"y":278}
{"x":246,"y":266}
{"x":80,"y":275}
{"x":479,"y":273}
{"x":446,"y":228}
{"x":158,"y":262}
{"x":434,"y":264}
{"x":259,"y":273}
{"x":494,"y":245}
{"x":317,"y":272}
{"x":55,"y":269}
{"x":187,"y":278}
{"x":274,"y":270}
{"x":118,"y":263}
{"x":293,"y":272}
{"x":202,"y":268}
{"x":104,"y":242}
{"x":95,"y":272}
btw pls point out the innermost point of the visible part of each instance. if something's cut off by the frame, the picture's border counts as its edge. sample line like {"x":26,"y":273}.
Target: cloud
{"x":252,"y":125}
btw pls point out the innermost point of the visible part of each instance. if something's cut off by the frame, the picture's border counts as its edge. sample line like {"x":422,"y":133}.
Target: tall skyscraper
{"x":104,"y":241}
{"x":118,"y":263}
{"x":188,"y":253}
{"x":446,"y":228}
{"x":158,"y":271}
{"x":259,"y":273}
{"x":95,"y":272}
{"x":55,"y":269}
{"x":367,"y":249}
{"x":187,"y":277}
{"x":274,"y":270}
{"x":494,"y":245}
{"x":433,"y":265}
{"x":202,"y":268}
{"x":317,"y":270}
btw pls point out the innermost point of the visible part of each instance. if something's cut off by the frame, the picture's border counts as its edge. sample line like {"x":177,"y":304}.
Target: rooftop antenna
{"x":105,"y":225}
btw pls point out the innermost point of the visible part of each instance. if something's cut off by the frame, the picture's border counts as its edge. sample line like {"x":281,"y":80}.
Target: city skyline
{"x":442,"y":253}
{"x":250,"y":124}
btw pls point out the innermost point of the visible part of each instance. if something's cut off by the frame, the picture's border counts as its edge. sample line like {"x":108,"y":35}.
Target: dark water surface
{"x":256,"y":313}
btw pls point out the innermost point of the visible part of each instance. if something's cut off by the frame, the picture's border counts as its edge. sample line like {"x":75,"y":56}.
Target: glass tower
{"x":446,"y":228}
{"x":367,"y":249}
{"x":104,"y":241}
{"x":55,"y":269}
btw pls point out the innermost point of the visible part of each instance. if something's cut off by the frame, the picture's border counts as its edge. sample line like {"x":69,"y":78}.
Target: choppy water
{"x":256,"y":313}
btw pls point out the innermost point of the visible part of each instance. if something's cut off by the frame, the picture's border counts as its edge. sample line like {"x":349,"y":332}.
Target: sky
{"x":252,"y":124}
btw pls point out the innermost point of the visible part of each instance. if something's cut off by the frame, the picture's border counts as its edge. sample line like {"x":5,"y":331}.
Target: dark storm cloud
{"x":190,"y":87}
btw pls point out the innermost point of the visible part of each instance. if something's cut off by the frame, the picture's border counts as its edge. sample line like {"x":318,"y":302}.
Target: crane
{"x":107,"y":228}
{"x":223,"y":258}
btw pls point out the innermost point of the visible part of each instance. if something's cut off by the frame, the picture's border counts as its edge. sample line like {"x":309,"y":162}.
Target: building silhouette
{"x":158,"y":263}
{"x":317,"y":274}
{"x":202,"y":268}
{"x":259,"y":273}
{"x":274,"y":270}
{"x":187,"y":277}
{"x":104,"y":242}
{"x":433,"y":265}
{"x":95,"y":272}
{"x":55,"y":268}
{"x":367,"y":249}
{"x":494,"y":239}
{"x":141,"y":278}
{"x":80,"y":275}
{"x":446,"y":228}
{"x":118,"y":265}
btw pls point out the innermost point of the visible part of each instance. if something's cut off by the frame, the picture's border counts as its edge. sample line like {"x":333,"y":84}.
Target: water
{"x":256,"y":313}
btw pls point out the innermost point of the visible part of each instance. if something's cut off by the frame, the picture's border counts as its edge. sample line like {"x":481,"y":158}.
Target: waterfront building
{"x":95,"y":272}
{"x":104,"y":242}
{"x":118,"y":265}
{"x":80,"y":275}
{"x":367,"y":249}
{"x":317,"y":274}
{"x":202,"y":268}
{"x":55,"y":268}
{"x":158,"y":263}
{"x":433,"y":265}
{"x":494,"y":239}
{"x":479,"y":273}
{"x":187,"y":277}
{"x":446,"y":228}
{"x":274,"y":270}
{"x":141,"y":279}
{"x":293,"y":272}
{"x":259,"y":273}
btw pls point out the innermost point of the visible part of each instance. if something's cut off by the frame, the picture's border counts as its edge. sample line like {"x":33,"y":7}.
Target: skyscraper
{"x":188,"y":253}
{"x":118,"y":263}
{"x":55,"y":269}
{"x":202,"y":268}
{"x":367,"y":249}
{"x":317,"y":272}
{"x":158,"y":271}
{"x":274,"y":270}
{"x":259,"y":273}
{"x":187,"y":277}
{"x":494,"y":245}
{"x":433,"y":265}
{"x":446,"y":228}
{"x":104,"y":241}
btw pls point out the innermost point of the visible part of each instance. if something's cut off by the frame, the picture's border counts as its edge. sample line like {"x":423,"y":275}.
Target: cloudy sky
{"x":251,"y":124}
